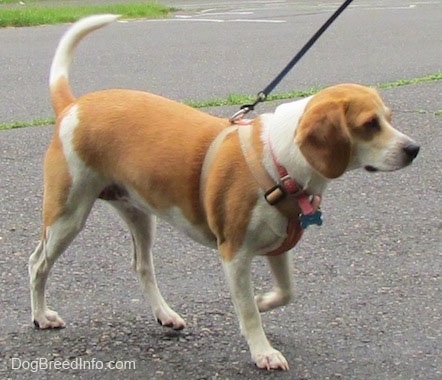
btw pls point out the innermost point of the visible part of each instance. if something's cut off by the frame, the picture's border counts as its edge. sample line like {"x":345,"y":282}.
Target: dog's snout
{"x":412,"y":150}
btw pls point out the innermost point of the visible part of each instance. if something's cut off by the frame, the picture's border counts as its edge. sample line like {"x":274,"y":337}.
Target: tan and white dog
{"x":147,"y":156}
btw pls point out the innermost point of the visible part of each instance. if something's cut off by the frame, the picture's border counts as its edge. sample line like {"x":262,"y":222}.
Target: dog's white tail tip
{"x":61,"y":94}
{"x":77,"y":31}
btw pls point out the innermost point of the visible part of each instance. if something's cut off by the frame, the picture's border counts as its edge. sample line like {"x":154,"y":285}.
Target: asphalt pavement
{"x":368,"y":302}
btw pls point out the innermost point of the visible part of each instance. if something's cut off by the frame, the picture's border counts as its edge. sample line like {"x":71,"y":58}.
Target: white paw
{"x":168,"y":318}
{"x":271,"y":359}
{"x":271,"y":300}
{"x":48,"y":319}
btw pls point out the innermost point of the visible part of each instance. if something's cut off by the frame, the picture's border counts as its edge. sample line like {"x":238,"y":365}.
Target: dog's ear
{"x":323,"y":138}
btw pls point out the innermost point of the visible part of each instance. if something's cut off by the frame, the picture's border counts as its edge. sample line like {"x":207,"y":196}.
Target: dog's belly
{"x":173,"y":215}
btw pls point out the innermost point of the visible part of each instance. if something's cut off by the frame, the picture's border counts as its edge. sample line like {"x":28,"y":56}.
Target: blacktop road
{"x":369,"y":287}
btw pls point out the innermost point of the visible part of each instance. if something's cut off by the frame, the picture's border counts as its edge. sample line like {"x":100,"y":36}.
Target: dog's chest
{"x":199,"y":233}
{"x":267,"y":228}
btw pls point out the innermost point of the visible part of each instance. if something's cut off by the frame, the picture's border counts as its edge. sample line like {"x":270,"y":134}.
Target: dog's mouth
{"x":371,"y":169}
{"x":374,"y":169}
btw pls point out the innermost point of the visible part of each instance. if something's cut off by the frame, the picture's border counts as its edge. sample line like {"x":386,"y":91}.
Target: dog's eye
{"x":372,"y":125}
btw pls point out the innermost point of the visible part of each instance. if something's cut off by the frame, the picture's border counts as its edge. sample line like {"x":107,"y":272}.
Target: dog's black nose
{"x":411,"y":149}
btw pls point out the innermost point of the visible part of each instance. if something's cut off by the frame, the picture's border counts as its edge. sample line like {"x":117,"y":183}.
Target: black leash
{"x":262,"y":96}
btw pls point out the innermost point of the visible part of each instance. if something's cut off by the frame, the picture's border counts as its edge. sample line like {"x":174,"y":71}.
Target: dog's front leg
{"x":238,"y":273}
{"x":282,"y":290}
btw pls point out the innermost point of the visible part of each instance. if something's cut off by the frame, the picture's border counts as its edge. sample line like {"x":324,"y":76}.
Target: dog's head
{"x":348,"y":126}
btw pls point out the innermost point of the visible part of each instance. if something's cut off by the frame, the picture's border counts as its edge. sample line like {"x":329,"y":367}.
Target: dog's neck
{"x":278,"y":137}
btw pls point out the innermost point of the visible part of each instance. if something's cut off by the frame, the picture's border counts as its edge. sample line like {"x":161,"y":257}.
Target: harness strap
{"x":274,"y":194}
{"x":294,"y":234}
{"x":210,"y":155}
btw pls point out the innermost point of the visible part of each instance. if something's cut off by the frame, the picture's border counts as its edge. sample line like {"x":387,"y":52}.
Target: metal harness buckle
{"x":275,"y":194}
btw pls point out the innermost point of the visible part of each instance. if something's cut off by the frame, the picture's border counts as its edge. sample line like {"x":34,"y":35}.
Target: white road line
{"x":195,"y":18}
{"x":212,"y":14}
{"x":258,"y":21}
{"x":222,"y":20}
{"x":227,"y":13}
{"x":198,"y":19}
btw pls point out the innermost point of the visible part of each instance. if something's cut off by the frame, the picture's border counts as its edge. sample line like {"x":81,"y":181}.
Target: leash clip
{"x":240,"y":114}
{"x":246,"y":108}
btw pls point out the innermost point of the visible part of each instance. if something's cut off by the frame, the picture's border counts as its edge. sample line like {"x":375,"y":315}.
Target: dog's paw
{"x":168,"y":318}
{"x":48,"y":319}
{"x":271,"y":300}
{"x":271,"y":359}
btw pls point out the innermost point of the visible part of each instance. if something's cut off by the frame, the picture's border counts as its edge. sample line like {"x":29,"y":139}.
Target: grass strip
{"x":23,"y":124}
{"x":237,"y":99}
{"x":406,"y":82}
{"x":34,"y":14}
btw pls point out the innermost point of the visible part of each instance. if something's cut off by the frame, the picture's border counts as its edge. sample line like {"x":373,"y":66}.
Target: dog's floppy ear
{"x":323,"y":138}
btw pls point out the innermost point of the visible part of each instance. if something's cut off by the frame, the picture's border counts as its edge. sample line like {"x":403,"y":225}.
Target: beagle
{"x":242,"y":189}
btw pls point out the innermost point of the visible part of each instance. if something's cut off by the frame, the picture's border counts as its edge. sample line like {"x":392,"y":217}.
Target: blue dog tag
{"x":314,"y":218}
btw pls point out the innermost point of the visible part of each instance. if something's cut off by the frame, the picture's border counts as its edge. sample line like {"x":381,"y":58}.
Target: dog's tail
{"x":61,"y":94}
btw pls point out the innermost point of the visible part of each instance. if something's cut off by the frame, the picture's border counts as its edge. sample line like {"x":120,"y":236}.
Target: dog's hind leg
{"x":69,"y":195}
{"x":56,"y":238}
{"x":142,"y":229}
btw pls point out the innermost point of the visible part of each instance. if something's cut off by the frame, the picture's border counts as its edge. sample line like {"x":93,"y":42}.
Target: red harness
{"x":294,"y":234}
{"x":286,"y":195}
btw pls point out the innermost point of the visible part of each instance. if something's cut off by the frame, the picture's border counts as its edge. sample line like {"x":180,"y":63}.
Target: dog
{"x":241,"y":187}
